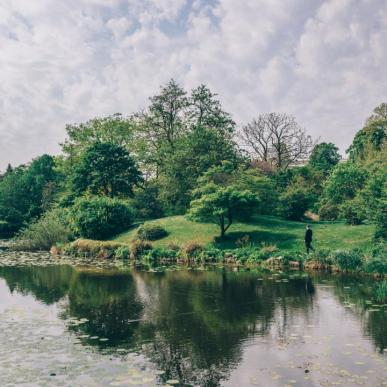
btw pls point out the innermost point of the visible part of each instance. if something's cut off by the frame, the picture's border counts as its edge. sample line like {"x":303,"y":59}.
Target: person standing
{"x":308,"y":239}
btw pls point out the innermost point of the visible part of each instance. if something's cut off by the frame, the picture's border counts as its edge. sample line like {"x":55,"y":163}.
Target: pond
{"x":62,"y":325}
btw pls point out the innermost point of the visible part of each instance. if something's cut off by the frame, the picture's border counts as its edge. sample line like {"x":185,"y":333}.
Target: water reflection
{"x":197,"y":326}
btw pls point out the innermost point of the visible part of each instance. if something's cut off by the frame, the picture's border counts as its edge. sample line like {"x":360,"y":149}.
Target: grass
{"x":286,"y":235}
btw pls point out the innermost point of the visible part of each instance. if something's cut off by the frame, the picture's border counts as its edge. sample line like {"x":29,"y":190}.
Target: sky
{"x":66,"y":61}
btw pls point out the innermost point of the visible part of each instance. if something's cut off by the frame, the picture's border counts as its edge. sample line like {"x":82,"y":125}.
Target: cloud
{"x":65,"y":62}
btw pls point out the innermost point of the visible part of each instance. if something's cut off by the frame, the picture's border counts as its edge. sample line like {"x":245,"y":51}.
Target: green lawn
{"x":286,"y":235}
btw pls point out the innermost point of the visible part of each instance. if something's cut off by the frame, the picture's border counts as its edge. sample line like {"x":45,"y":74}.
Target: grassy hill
{"x":284,"y":234}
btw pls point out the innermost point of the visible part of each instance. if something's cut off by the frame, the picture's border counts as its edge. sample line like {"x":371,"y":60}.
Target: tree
{"x":345,"y":181}
{"x":206,"y":111}
{"x":371,"y":140}
{"x":324,"y":157}
{"x":162,"y":125}
{"x":277,"y":139}
{"x":24,"y":193}
{"x":106,"y":169}
{"x":202,"y":148}
{"x":220,"y":199}
{"x":114,"y":129}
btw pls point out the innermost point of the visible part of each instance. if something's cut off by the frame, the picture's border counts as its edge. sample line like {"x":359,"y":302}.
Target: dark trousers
{"x":308,"y":246}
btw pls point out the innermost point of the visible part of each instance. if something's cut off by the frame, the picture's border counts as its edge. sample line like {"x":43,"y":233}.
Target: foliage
{"x":106,"y":169}
{"x":151,"y":232}
{"x":25,"y":192}
{"x":328,"y":211}
{"x":49,"y":230}
{"x":353,"y":211}
{"x":122,"y":252}
{"x":381,"y":291}
{"x":200,"y":149}
{"x":345,"y":181}
{"x":100,"y":217}
{"x":146,"y":201}
{"x":139,"y":247}
{"x":324,"y":157}
{"x":221,"y":199}
{"x":376,"y":265}
{"x":294,"y":203}
{"x":111,"y":129}
{"x":157,"y":254}
{"x":192,"y":250}
{"x":370,"y":140}
{"x":381,"y":223}
{"x":93,"y":248}
{"x":348,"y":260}
{"x":322,"y":257}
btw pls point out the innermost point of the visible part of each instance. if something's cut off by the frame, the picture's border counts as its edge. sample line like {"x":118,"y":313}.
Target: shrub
{"x":89,"y":247}
{"x":138,"y":248}
{"x":192,"y":250}
{"x":157,"y":254}
{"x":151,"y":232}
{"x":348,"y":260}
{"x":381,"y":291}
{"x":353,"y":212}
{"x":211,"y":254}
{"x":122,"y":252}
{"x":381,"y":223}
{"x":322,"y":257}
{"x":100,"y":217}
{"x":376,"y":265}
{"x":44,"y":233}
{"x":328,"y":211}
{"x":173,"y":246}
{"x":294,"y":203}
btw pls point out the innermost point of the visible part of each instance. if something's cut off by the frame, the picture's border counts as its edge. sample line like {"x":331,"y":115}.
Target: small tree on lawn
{"x":221,"y":199}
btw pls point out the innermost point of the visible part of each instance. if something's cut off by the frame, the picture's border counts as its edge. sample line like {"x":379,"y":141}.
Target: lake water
{"x":67,"y":326}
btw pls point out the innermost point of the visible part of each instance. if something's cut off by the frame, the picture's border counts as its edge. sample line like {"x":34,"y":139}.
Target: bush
{"x":381,"y":291}
{"x":376,"y":265}
{"x":151,"y":232}
{"x":122,"y":252}
{"x":157,"y":254}
{"x":322,"y":257}
{"x":348,"y":260}
{"x":44,"y":233}
{"x":138,"y":248}
{"x":192,"y":250}
{"x":381,"y":223}
{"x":294,"y":203}
{"x":211,"y":254}
{"x":328,"y":211}
{"x":100,"y":217}
{"x":353,"y":212}
{"x":88,"y":247}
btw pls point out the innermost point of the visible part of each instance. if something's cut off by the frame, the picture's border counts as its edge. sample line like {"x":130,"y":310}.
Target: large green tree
{"x":221,"y":199}
{"x":25,"y":192}
{"x":106,"y":169}
{"x":324,"y":157}
{"x":370,"y":141}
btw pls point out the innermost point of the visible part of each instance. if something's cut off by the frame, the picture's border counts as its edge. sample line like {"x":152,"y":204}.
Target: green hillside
{"x":287,"y":235}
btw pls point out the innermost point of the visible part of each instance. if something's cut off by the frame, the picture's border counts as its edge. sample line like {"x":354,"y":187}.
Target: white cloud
{"x":63,"y":62}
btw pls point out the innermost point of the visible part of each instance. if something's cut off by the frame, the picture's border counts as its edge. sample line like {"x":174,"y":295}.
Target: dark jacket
{"x":308,"y":235}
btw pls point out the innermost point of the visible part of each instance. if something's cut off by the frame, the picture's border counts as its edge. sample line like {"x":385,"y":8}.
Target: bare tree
{"x":277,"y":139}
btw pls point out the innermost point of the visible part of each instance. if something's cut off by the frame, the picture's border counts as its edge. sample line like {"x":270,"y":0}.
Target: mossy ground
{"x":286,"y":235}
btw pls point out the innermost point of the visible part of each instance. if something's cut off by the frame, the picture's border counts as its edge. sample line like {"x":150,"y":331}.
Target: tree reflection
{"x":192,"y":324}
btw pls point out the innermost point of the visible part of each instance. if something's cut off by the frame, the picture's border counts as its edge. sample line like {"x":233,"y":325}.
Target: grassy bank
{"x":286,"y":235}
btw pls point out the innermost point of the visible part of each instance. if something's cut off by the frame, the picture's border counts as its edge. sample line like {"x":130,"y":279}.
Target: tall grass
{"x":43,"y":233}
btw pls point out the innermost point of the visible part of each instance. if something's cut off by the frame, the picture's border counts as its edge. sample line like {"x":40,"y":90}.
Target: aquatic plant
{"x":348,"y":260}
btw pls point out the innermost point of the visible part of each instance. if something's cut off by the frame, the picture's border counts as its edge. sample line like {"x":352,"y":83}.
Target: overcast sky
{"x":65,"y":61}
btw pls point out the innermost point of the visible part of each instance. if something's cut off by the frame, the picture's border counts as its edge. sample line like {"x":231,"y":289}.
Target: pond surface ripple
{"x":62,"y":325}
